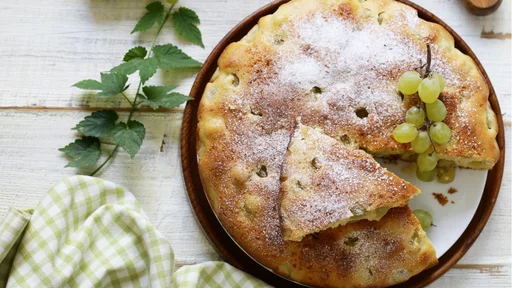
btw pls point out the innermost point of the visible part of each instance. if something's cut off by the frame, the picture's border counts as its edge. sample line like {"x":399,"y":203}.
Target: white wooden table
{"x":46,"y":46}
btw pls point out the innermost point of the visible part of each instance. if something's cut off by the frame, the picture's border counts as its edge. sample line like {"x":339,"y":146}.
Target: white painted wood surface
{"x":49,"y":45}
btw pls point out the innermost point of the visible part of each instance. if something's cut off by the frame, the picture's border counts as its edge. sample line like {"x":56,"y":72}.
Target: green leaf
{"x":157,"y":96}
{"x":170,"y":57}
{"x":111,"y":84}
{"x":147,"y":68}
{"x":129,"y":136}
{"x":89,"y":84}
{"x":185,"y":22}
{"x":98,"y":124}
{"x":155,"y":15}
{"x":127,"y":68}
{"x":83,"y":152}
{"x":138,"y":52}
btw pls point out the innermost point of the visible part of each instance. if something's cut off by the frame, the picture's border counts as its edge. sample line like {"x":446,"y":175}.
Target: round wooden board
{"x":227,"y":247}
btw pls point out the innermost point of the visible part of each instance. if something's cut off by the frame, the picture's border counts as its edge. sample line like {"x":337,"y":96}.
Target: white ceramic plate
{"x":452,"y":219}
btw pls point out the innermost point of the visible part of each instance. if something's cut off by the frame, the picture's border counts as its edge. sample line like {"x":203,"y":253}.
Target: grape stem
{"x":428,"y":122}
{"x":429,"y":60}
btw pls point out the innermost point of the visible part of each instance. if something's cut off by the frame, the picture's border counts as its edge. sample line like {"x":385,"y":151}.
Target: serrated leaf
{"x":157,"y":96}
{"x":111,"y":84}
{"x":129,"y":136}
{"x":170,"y":57}
{"x":83,"y":152}
{"x":185,"y":22}
{"x":154,"y":15}
{"x":138,"y":52}
{"x":98,"y":124}
{"x":147,"y":68}
{"x":127,"y":68}
{"x":175,"y":99}
{"x":89,"y":84}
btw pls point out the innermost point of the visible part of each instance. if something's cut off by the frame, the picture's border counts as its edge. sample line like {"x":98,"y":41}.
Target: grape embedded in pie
{"x":335,"y":64}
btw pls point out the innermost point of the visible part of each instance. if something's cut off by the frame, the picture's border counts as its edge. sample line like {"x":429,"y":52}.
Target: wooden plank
{"x":30,"y":164}
{"x":48,"y":52}
{"x":75,"y":40}
{"x":475,"y":276}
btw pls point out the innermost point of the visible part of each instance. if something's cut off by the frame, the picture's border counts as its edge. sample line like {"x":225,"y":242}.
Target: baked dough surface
{"x":335,"y":64}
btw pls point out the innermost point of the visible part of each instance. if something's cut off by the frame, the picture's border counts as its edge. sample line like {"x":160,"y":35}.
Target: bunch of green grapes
{"x":424,"y":127}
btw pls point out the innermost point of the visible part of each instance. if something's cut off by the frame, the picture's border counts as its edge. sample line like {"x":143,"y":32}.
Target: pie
{"x":335,"y":64}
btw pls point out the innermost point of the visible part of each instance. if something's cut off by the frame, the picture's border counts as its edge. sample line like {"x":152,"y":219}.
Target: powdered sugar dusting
{"x":350,"y":63}
{"x":351,"y":46}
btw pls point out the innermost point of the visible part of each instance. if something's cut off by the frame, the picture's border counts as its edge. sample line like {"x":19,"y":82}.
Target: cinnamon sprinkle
{"x":452,"y":190}
{"x":440,"y":198}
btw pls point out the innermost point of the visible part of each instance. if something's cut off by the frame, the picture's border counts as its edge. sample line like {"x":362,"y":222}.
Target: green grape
{"x":436,"y":111}
{"x":440,"y":133}
{"x":441,"y":81}
{"x":421,"y":143}
{"x":424,"y":217}
{"x":405,"y":133}
{"x":427,"y":161}
{"x":408,"y":82}
{"x":427,"y":176}
{"x":429,"y":90}
{"x":445,"y":175}
{"x":415,"y":116}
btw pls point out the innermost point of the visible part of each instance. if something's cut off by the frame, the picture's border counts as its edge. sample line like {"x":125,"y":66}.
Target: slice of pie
{"x":363,"y":253}
{"x":325,"y":184}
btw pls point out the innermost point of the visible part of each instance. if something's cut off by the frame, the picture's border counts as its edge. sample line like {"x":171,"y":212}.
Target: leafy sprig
{"x":102,"y":126}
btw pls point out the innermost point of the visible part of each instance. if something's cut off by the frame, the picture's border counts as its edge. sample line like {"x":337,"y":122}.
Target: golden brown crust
{"x":325,"y":183}
{"x":268,"y":79}
{"x":362,"y":254}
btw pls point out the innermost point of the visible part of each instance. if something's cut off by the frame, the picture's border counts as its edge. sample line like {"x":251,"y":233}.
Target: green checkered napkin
{"x":87,"y":232}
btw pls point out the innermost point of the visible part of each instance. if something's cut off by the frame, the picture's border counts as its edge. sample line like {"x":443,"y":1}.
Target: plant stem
{"x":106,"y":160}
{"x":134,"y":104}
{"x":127,"y":99}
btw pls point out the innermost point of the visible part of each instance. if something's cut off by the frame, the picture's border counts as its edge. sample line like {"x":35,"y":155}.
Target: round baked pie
{"x":333,"y":64}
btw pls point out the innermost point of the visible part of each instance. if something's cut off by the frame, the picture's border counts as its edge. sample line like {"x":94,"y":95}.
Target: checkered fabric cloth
{"x":87,"y":232}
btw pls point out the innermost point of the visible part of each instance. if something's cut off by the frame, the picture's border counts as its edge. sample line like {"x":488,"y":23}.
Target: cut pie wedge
{"x":325,"y":184}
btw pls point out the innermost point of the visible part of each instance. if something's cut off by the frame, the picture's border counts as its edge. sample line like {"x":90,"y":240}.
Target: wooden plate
{"x":224,"y":244}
